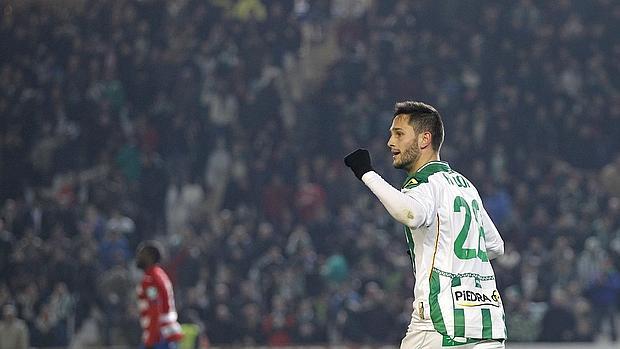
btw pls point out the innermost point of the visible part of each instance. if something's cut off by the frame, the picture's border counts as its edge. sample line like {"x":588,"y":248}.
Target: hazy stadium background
{"x":219,"y":127}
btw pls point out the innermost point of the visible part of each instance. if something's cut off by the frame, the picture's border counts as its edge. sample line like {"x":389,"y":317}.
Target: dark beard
{"x":409,"y":157}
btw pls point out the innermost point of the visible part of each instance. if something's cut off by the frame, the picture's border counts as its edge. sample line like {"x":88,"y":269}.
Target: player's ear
{"x":424,"y":139}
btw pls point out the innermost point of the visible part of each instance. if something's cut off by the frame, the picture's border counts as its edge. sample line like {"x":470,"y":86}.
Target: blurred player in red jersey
{"x":158,"y":315}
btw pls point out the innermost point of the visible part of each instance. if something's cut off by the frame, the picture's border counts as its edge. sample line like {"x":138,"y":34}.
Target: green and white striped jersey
{"x":451,"y":240}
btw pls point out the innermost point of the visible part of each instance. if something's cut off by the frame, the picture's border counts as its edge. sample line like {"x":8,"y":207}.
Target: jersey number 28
{"x":469,"y":253}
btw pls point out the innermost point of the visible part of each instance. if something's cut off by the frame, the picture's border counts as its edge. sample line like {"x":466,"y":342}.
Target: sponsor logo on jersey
{"x":410,"y":182}
{"x":475,"y":297}
{"x":151,"y":292}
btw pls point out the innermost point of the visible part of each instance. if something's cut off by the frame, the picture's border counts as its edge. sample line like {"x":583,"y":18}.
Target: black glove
{"x":359,"y":162}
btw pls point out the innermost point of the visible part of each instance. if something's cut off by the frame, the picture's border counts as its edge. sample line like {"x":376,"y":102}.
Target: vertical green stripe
{"x":456,"y":281}
{"x":459,"y":322}
{"x":436,"y":316}
{"x":409,"y":238}
{"x":487,"y":326}
{"x":410,"y":245}
{"x":504,"y":322}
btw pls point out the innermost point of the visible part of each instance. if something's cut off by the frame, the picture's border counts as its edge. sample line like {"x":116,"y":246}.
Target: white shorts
{"x":419,"y":335}
{"x":433,"y":340}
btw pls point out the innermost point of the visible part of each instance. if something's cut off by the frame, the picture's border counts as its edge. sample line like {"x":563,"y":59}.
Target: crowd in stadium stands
{"x":123,"y":121}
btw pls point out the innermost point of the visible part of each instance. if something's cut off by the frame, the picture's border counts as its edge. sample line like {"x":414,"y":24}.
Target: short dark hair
{"x":423,"y":117}
{"x":153,"y":248}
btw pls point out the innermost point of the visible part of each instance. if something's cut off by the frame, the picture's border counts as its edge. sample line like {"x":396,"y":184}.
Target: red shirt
{"x":158,"y":316}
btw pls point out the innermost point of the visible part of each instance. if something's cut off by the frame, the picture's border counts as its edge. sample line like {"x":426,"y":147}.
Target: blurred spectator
{"x":603,"y":292}
{"x":585,"y":328}
{"x":114,"y":249}
{"x":219,"y":128}
{"x":251,"y":326}
{"x":278,"y":325}
{"x":6,"y":246}
{"x":558,"y":323}
{"x":89,"y":333}
{"x":13,"y":331}
{"x":610,"y":176}
{"x":222,"y":328}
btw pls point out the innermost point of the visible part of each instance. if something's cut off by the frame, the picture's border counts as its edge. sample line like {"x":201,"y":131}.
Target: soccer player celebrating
{"x":158,"y":316}
{"x":450,"y":237}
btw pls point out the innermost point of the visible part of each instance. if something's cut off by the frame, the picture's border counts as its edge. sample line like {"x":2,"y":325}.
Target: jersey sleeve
{"x":163,"y":293}
{"x":169,"y":327}
{"x":413,"y":207}
{"x":494,"y":242}
{"x":150,"y":319}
